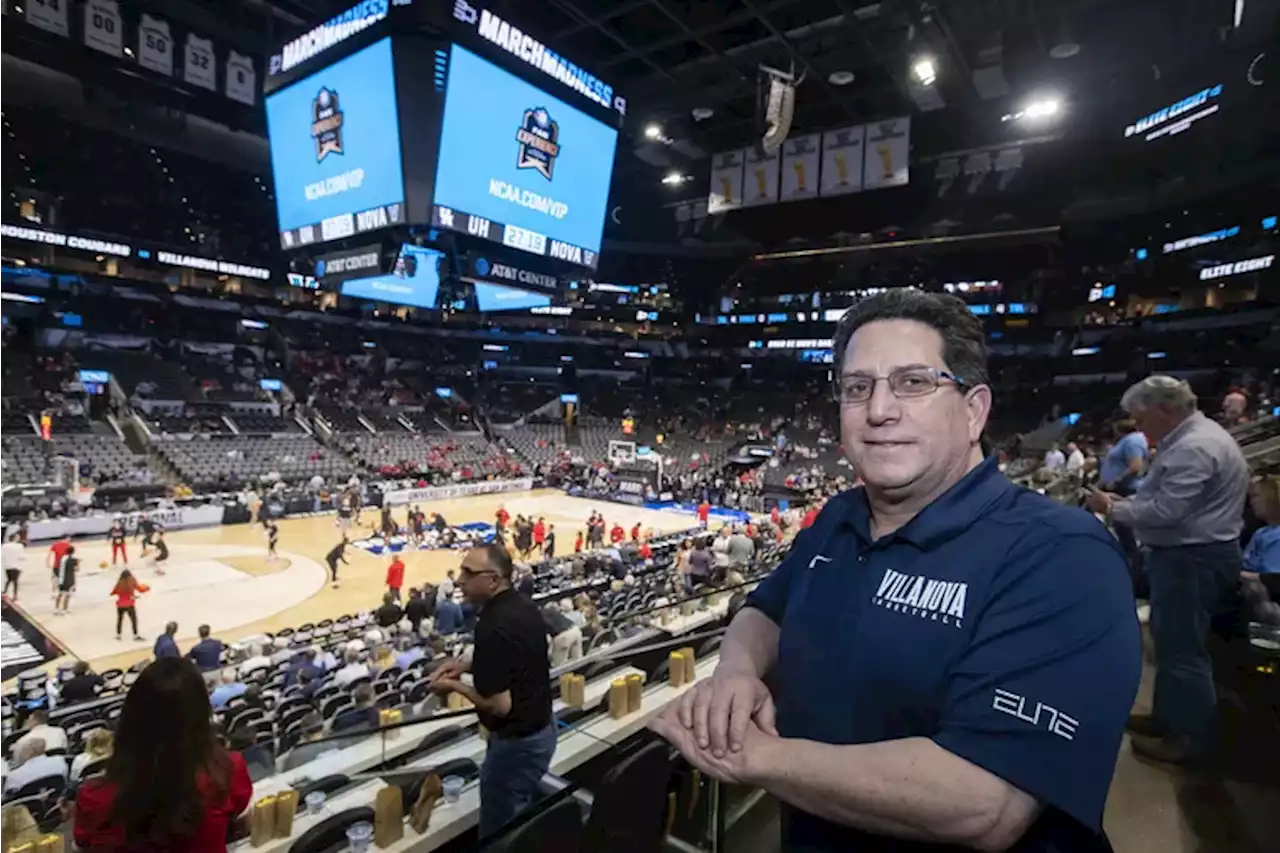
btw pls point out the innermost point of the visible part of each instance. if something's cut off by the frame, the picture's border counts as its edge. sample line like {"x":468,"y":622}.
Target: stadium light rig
{"x":924,"y":70}
{"x":1037,"y":110}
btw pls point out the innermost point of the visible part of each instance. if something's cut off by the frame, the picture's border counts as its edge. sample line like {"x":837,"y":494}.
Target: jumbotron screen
{"x":520,"y":167}
{"x":415,"y":279}
{"x":335,"y":150}
{"x":495,"y":297}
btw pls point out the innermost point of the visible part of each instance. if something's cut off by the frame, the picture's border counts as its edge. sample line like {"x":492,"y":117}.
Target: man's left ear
{"x":978,"y":402}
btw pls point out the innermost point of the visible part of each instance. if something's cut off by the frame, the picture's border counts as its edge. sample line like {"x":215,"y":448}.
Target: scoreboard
{"x":520,"y":167}
{"x":335,"y":150}
{"x":447,"y":123}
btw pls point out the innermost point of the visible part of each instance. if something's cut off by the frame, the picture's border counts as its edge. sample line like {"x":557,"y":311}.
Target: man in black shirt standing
{"x":389,"y":613}
{"x":82,"y":686}
{"x":512,"y":691}
{"x":419,"y":607}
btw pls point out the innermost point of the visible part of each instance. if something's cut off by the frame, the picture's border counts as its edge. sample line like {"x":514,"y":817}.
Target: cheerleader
{"x":126,"y":591}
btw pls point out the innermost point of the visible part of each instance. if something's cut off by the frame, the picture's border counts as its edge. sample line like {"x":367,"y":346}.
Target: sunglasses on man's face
{"x":468,"y":574}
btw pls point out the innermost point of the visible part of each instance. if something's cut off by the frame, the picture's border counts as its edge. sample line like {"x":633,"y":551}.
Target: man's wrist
{"x":764,"y":760}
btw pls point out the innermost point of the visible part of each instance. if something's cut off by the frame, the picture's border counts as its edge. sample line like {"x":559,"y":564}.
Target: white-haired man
{"x":1189,"y":512}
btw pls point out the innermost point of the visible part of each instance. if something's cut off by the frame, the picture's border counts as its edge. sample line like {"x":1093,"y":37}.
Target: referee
{"x":512,"y":686}
{"x":955,"y":657}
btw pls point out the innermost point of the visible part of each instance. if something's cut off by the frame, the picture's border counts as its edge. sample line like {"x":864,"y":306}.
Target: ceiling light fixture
{"x":673,"y":179}
{"x":702,"y":113}
{"x":1064,"y":50}
{"x":840,"y":78}
{"x":1040,"y":109}
{"x":653,"y":131}
{"x":924,"y":70}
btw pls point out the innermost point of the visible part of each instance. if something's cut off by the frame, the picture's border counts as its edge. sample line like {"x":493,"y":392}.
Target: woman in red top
{"x":126,"y":591}
{"x":169,"y":786}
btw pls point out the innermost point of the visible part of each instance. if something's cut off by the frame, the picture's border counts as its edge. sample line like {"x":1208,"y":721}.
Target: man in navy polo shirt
{"x":954,"y":657}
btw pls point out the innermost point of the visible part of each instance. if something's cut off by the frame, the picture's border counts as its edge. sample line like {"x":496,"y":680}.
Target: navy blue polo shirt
{"x":996,"y":622}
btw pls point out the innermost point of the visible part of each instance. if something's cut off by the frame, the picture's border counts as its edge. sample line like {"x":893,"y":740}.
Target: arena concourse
{"x":323,"y":326}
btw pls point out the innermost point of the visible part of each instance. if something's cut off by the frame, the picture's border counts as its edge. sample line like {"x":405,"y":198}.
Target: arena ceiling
{"x":693,"y":68}
{"x":671,"y":57}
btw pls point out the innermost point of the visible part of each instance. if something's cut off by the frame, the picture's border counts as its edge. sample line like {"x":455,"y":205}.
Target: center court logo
{"x":539,"y":137}
{"x":924,"y":598}
{"x":326,"y":123}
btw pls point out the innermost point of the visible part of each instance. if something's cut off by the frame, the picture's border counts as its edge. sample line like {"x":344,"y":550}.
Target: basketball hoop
{"x":621,"y":452}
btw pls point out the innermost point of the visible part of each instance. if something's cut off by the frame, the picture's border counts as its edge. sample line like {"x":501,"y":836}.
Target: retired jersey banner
{"x":155,"y":45}
{"x":842,"y":161}
{"x":726,"y":181}
{"x":199,"y":67}
{"x":102,"y":29}
{"x":242,"y":80}
{"x":48,"y":15}
{"x":888,"y":148}
{"x":801,"y":156}
{"x":760,"y":182}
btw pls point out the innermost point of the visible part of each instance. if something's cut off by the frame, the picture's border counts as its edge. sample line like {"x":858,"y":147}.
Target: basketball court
{"x":220,"y":576}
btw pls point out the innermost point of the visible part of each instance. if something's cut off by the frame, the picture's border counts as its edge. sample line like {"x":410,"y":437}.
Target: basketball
{"x":102,"y":565}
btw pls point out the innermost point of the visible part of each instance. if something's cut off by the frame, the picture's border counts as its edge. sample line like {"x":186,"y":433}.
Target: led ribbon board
{"x":1237,"y":268}
{"x":1201,"y":239}
{"x":1176,"y":117}
{"x":330,"y":34}
{"x":537,"y":55}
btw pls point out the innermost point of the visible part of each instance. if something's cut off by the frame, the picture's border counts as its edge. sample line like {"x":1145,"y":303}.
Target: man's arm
{"x":1180,"y":487}
{"x":499,"y":704}
{"x":910,"y":788}
{"x":750,"y":646}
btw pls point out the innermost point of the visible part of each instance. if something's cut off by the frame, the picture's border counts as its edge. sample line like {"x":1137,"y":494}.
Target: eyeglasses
{"x":467,"y":574}
{"x":905,"y":382}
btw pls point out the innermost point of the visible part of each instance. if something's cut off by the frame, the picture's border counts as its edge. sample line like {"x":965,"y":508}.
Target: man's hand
{"x":444,"y":686}
{"x":733,"y":766}
{"x":1099,"y":502}
{"x":717,"y":711}
{"x":449,"y":670}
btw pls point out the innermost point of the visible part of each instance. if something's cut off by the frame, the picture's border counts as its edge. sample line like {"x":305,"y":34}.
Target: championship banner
{"x":726,"y":182}
{"x":102,"y":28}
{"x":242,"y":80}
{"x":801,"y":156}
{"x":760,"y":184}
{"x":461,"y":490}
{"x":842,"y":161}
{"x":155,"y":45}
{"x":199,"y":67}
{"x":888,"y":148}
{"x":50,"y":15}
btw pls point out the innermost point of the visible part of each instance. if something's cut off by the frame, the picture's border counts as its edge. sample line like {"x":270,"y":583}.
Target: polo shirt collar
{"x":953,"y":512}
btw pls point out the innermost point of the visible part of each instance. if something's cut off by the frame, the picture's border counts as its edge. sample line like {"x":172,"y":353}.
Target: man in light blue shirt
{"x":227,"y":690}
{"x":408,"y":652}
{"x":1263,"y":554}
{"x":448,"y":617}
{"x":1122,"y":466}
{"x":35,"y":765}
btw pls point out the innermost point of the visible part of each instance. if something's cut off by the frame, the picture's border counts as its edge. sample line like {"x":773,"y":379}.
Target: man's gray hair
{"x":1159,"y":391}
